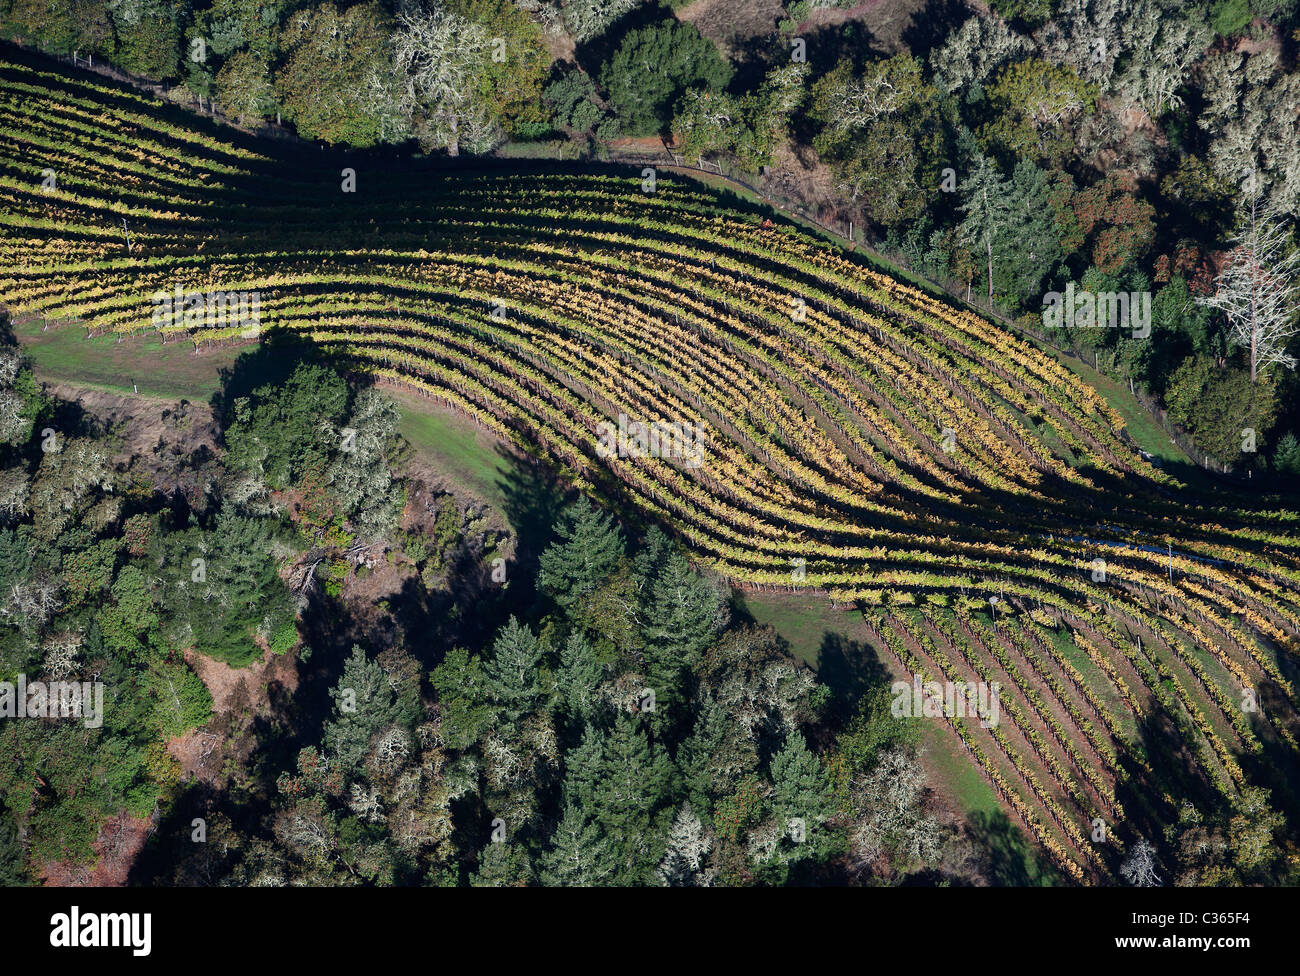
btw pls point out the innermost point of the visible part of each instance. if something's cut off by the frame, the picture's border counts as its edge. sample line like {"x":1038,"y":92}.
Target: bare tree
{"x":1168,"y":44}
{"x":14,"y":485}
{"x":1252,"y":119}
{"x":589,"y":18}
{"x":1139,"y":868}
{"x":683,"y":863}
{"x":1259,"y":288}
{"x":438,"y":53}
{"x":975,"y":50}
{"x":61,"y":654}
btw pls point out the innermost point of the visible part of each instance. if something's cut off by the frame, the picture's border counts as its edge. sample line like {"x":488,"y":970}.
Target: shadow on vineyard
{"x":1005,"y":855}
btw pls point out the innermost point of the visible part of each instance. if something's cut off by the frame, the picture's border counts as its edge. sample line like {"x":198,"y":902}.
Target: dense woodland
{"x":1121,"y":145}
{"x":623,"y":730}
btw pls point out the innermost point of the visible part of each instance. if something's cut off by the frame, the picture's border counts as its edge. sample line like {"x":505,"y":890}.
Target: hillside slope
{"x":827,"y":428}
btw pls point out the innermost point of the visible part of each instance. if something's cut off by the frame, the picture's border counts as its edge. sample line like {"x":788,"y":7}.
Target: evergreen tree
{"x":579,"y":676}
{"x":459,"y":684}
{"x":715,"y":756}
{"x":589,"y":549}
{"x":583,"y":769}
{"x":503,"y":865}
{"x":984,"y":205}
{"x":686,"y":612}
{"x":512,"y":675}
{"x":580,"y":855}
{"x":633,"y":792}
{"x":364,"y":703}
{"x":802,"y":802}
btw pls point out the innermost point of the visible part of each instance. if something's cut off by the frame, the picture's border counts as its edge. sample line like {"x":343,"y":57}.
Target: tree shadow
{"x":271,"y":362}
{"x":850,"y":669}
{"x":592,"y":54}
{"x":534,"y":496}
{"x":1004,"y":856}
{"x":931,"y":25}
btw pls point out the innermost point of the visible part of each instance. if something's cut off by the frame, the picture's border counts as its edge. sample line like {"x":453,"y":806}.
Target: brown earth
{"x":116,"y":847}
{"x":728,"y":23}
{"x":239,"y":696}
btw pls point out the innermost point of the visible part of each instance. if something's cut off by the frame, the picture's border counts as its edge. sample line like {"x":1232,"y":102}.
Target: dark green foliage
{"x":802,"y":806}
{"x":61,"y":28}
{"x":182,"y":700}
{"x":873,"y":731}
{"x":581,"y":856}
{"x":588,"y":549}
{"x":331,"y":55}
{"x":503,"y":865}
{"x":513,"y":674}
{"x":279,"y":432}
{"x":1286,"y":458}
{"x":1218,"y":406}
{"x":149,"y":38}
{"x":365,"y":703}
{"x":651,"y":69}
{"x":578,"y":677}
{"x":1030,"y":12}
{"x":223,"y":585}
{"x":631,"y":795}
{"x":684,"y":615}
{"x":459,"y":682}
{"x":572,"y":99}
{"x":12,"y":874}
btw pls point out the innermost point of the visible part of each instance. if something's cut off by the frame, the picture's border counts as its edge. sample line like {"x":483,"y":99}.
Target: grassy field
{"x":455,"y":446}
{"x":804,"y":622}
{"x":448,"y":444}
{"x":140,"y":365}
{"x":1141,"y":426}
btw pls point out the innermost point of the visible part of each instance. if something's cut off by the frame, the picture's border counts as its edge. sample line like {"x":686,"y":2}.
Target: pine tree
{"x":579,"y":677}
{"x":801,"y":801}
{"x":503,"y":865}
{"x":364,"y":703}
{"x":589,"y":549}
{"x":984,"y":192}
{"x":632,"y":792}
{"x":698,"y":754}
{"x":686,"y":613}
{"x":583,"y":769}
{"x":512,"y":675}
{"x":580,"y":854}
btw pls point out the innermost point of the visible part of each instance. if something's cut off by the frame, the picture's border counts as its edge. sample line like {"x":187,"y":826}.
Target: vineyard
{"x":864,"y":441}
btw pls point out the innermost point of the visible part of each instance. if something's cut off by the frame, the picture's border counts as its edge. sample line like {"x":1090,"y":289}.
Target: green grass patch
{"x":455,"y":446}
{"x":804,"y":622}
{"x":1141,"y":426}
{"x":140,"y":364}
